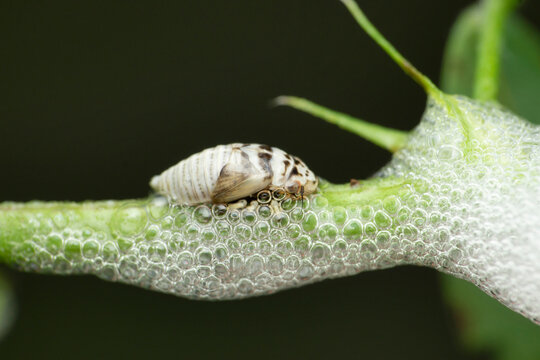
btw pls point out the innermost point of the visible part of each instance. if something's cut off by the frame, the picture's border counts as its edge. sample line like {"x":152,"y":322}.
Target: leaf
{"x":7,"y":305}
{"x":520,"y":71}
{"x":488,"y":326}
{"x":520,"y":62}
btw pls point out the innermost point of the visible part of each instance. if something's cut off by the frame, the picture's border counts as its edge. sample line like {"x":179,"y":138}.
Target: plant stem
{"x":389,"y":139}
{"x":486,"y":84}
{"x":399,"y":59}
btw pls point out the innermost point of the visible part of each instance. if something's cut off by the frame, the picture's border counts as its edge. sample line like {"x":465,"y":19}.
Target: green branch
{"x":486,"y":83}
{"x":399,"y":59}
{"x":387,"y":138}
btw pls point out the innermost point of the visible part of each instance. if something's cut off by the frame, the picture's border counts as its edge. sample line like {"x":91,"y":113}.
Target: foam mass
{"x":465,"y":201}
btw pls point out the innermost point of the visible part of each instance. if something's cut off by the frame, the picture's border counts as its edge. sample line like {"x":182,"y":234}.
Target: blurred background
{"x":98,"y":96}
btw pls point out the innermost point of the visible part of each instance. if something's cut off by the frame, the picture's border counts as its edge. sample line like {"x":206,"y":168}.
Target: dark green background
{"x":98,"y":96}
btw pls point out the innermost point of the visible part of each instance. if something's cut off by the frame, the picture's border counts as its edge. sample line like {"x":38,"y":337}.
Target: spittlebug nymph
{"x":226,"y":173}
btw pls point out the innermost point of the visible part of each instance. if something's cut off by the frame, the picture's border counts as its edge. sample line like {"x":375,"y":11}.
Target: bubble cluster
{"x":469,"y":207}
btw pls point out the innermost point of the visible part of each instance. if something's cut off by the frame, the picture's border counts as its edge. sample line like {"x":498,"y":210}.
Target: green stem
{"x":51,"y":223}
{"x":389,"y":139}
{"x":367,"y":192}
{"x":486,"y":83}
{"x":61,"y":237}
{"x":399,"y":59}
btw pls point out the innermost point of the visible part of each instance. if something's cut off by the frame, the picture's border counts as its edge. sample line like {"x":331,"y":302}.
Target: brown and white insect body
{"x":227,"y":173}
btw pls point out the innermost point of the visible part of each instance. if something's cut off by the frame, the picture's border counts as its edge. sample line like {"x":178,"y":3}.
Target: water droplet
{"x":383,"y":239}
{"x":280,"y":220}
{"x":157,"y":252}
{"x":368,"y":250}
{"x":328,"y":233}
{"x":419,"y":217}
{"x":208,"y":235}
{"x":151,"y":232}
{"x":245,"y":286}
{"x":86,"y":233}
{"x":234,"y":216}
{"x":221,"y":253}
{"x":243,"y":232}
{"x":279,"y":194}
{"x":370,"y":229}
{"x":353,"y":230}
{"x":192,"y":232}
{"x":319,"y":202}
{"x":301,"y":245}
{"x":293,"y":231}
{"x":449,"y":152}
{"x":72,"y":249}
{"x":205,"y":257}
{"x":167,"y":222}
{"x":382,"y":220}
{"x":403,"y":215}
{"x":254,"y":265}
{"x":265,"y":211}
{"x":219,"y":211}
{"x":275,"y":265}
{"x":264,"y":197}
{"x":391,"y":204}
{"x":204,"y":271}
{"x":180,"y":220}
{"x":60,"y":221}
{"x":297,"y":214}
{"x":221,"y":271}
{"x":237,"y":264}
{"x":158,"y":208}
{"x":310,"y":222}
{"x":53,"y":244}
{"x":202,"y":214}
{"x":129,"y":220}
{"x":173,"y":274}
{"x":249,"y":217}
{"x":223,"y":229}
{"x":443,"y":235}
{"x":262,"y":229}
{"x":339,"y":215}
{"x":61,"y":265}
{"x":340,"y":248}
{"x":284,"y":248}
{"x":305,"y":272}
{"x":288,"y":204}
{"x":185,"y":260}
{"x":249,"y":248}
{"x":110,"y":252}
{"x":265,"y":247}
{"x":366,"y":212}
{"x":292,"y":262}
{"x":320,"y":254}
{"x":107,"y":272}
{"x":128,"y":269}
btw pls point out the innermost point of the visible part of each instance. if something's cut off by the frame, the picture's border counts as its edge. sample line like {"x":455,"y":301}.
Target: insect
{"x":226,"y":173}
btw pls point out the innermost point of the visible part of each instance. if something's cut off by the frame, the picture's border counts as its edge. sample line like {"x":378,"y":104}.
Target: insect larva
{"x":227,"y":173}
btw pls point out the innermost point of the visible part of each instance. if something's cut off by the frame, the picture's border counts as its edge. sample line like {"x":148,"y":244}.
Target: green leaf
{"x":520,"y":72}
{"x":7,"y":305}
{"x":519,"y":83}
{"x":488,"y":326}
